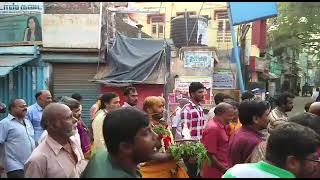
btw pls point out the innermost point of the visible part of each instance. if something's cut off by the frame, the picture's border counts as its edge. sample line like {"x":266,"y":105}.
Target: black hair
{"x":307,"y":106}
{"x":38,"y":94}
{"x":291,"y":139}
{"x":248,"y":109}
{"x":77,"y":96}
{"x":106,"y":98}
{"x":70,"y":102}
{"x":247,"y":95}
{"x":307,"y":119}
{"x":218,"y":98}
{"x":128,"y":90}
{"x":282,"y":98}
{"x":194,"y":86}
{"x":235,"y":104}
{"x":122,"y":125}
{"x":37,"y":31}
{"x":205,"y":111}
{"x":317,"y":89}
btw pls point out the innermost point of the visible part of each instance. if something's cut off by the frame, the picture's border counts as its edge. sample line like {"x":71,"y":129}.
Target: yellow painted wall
{"x":170,"y":9}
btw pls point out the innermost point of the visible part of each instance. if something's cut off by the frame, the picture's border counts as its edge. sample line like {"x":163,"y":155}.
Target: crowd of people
{"x":242,"y":139}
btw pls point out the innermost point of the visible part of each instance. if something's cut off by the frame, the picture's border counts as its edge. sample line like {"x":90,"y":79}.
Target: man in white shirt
{"x":176,"y":125}
{"x":109,"y":102}
{"x":315,"y":94}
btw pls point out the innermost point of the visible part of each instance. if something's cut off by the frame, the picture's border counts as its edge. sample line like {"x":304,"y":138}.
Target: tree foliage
{"x":297,"y":26}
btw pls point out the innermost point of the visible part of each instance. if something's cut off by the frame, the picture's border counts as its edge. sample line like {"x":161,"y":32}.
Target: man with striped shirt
{"x":192,"y":113}
{"x":192,"y":120}
{"x":291,"y":152}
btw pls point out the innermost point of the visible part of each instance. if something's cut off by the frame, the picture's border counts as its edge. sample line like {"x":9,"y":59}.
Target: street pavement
{"x":299,"y":103}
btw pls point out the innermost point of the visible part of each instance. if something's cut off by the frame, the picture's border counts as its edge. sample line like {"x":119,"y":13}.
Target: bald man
{"x":58,"y":156}
{"x":215,"y":138}
{"x":34,"y":113}
{"x":315,"y":108}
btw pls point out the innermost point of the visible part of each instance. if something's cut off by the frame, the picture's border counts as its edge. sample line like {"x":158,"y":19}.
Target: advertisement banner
{"x":21,"y":23}
{"x":21,"y":7}
{"x":182,"y":87}
{"x":198,"y":59}
{"x":223,"y":80}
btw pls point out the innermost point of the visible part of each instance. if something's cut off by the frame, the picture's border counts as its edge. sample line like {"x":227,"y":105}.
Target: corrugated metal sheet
{"x":72,"y":78}
{"x":7,"y":63}
{"x":22,"y":82}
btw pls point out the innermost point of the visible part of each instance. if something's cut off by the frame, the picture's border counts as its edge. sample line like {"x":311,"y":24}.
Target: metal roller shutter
{"x":72,"y":78}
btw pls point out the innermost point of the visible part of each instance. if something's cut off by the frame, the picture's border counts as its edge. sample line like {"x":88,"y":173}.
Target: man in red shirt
{"x":253,"y":117}
{"x":215,"y":138}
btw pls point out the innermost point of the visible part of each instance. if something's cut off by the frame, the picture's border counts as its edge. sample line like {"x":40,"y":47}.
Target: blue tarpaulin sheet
{"x":244,"y":12}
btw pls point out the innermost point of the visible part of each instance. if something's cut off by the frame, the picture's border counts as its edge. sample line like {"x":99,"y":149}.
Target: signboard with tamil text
{"x":21,"y":7}
{"x":223,"y":79}
{"x":198,"y":59}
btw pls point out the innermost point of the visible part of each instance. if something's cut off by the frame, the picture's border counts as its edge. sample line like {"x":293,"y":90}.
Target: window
{"x":156,"y":22}
{"x":220,"y":25}
{"x":154,"y":29}
{"x":160,"y":28}
{"x":223,"y":33}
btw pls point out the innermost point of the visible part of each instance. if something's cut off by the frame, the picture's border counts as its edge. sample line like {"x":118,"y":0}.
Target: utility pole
{"x":236,"y":50}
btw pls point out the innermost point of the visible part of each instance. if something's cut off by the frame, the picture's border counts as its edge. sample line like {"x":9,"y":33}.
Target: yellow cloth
{"x":167,"y":169}
{"x":233,"y":126}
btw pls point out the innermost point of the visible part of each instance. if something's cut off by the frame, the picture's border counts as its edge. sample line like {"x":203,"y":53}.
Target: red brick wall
{"x":144,"y":90}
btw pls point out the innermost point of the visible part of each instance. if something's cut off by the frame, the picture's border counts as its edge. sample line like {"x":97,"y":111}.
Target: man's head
{"x":110,"y":101}
{"x":315,"y":108}
{"x":57,"y":119}
{"x":247,"y":95}
{"x":73,"y":104}
{"x":317,"y":89}
{"x":2,"y":107}
{"x":218,"y":98}
{"x":43,"y":98}
{"x":307,"y":119}
{"x":285,"y":101}
{"x":292,"y":146}
{"x":131,"y":96}
{"x":18,"y":108}
{"x":254,"y":113}
{"x":225,"y":112}
{"x":154,"y":107}
{"x":196,"y":91}
{"x":77,"y":97}
{"x":128,"y":134}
